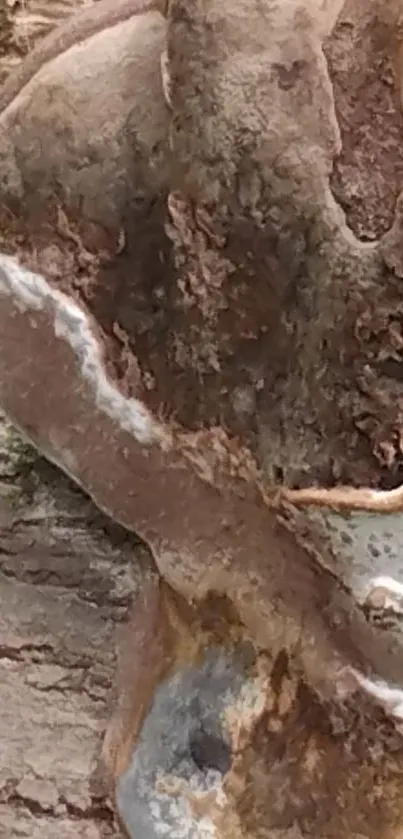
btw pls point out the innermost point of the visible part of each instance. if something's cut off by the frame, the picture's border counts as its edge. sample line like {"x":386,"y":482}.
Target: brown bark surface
{"x":212,"y":349}
{"x":66,"y":578}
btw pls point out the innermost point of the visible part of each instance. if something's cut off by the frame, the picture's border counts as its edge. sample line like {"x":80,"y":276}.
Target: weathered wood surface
{"x":67,"y":577}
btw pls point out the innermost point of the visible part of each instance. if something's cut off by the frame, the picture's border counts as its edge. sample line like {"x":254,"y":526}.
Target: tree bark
{"x":196,"y":332}
{"x":67,"y":577}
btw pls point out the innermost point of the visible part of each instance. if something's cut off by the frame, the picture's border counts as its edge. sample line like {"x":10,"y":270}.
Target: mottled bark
{"x":195,"y":331}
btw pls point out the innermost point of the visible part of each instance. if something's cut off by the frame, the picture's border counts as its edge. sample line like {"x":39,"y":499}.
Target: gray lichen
{"x":184,"y":751}
{"x":18,"y":461}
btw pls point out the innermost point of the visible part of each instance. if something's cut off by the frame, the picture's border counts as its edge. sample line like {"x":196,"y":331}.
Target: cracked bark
{"x":67,"y":578}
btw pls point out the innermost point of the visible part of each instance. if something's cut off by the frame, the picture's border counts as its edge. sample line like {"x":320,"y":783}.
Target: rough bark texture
{"x":195,"y":331}
{"x":67,"y":579}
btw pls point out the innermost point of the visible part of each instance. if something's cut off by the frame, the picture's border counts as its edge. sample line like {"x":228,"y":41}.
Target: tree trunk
{"x":199,"y":335}
{"x":67,"y":578}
